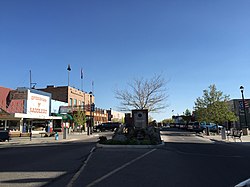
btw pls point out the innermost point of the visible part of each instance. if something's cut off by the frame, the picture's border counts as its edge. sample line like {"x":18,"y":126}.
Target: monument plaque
{"x":140,"y":118}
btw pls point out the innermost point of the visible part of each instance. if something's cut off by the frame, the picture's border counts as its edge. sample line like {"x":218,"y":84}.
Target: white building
{"x":117,"y":116}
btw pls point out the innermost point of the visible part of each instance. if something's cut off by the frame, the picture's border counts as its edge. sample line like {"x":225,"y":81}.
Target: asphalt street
{"x":45,"y":164}
{"x":184,"y":160}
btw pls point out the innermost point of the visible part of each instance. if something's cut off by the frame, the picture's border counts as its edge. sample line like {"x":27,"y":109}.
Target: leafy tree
{"x":170,"y":120}
{"x":117,"y":120}
{"x":213,"y":107}
{"x":80,"y":118}
{"x":144,"y":94}
{"x":187,"y":112}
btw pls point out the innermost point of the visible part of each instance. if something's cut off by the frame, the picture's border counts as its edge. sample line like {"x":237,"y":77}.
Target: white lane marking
{"x":75,"y":177}
{"x":118,"y":169}
{"x":245,"y":183}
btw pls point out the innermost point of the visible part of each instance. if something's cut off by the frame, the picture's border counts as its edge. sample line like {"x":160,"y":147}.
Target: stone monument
{"x":140,"y":118}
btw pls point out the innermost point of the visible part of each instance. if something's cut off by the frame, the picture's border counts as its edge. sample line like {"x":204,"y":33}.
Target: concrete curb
{"x":130,"y":146}
{"x":41,"y":141}
{"x":211,"y":138}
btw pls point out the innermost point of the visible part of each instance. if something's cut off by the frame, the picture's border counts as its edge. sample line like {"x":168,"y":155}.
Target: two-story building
{"x":24,"y":110}
{"x":77,"y":100}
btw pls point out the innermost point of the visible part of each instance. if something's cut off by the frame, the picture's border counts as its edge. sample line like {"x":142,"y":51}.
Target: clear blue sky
{"x":192,"y":43}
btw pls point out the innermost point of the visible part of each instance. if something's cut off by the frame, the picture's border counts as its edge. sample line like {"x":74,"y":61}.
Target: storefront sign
{"x":38,"y":105}
{"x":65,"y":109}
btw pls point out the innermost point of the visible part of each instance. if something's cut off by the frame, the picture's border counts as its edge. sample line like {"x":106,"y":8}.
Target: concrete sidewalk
{"x":37,"y":139}
{"x":217,"y":137}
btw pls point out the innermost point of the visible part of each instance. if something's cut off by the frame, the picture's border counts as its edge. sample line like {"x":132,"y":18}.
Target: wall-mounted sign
{"x":65,"y":109}
{"x":38,"y":105}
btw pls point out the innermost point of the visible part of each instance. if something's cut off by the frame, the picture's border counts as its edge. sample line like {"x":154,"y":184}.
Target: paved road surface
{"x":184,"y":160}
{"x":42,"y":164}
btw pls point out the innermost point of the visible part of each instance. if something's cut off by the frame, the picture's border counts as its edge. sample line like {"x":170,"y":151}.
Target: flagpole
{"x":92,"y":87}
{"x":69,"y":69}
{"x":81,"y":79}
{"x":81,"y":84}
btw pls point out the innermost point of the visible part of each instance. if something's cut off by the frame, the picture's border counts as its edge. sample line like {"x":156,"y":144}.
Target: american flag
{"x":246,"y":104}
{"x":81,"y":73}
{"x":242,"y":106}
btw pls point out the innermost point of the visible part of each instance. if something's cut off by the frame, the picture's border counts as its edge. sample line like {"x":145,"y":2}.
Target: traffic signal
{"x":92,"y":107}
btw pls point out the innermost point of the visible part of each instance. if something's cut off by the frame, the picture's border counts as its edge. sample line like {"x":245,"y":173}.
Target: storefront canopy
{"x":29,"y":116}
{"x":65,"y":117}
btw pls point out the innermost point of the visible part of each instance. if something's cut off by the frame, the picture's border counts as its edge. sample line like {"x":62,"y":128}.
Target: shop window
{"x":2,"y":125}
{"x":13,"y":125}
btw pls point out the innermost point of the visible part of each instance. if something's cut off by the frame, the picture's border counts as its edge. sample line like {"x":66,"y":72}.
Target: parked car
{"x":109,"y":126}
{"x":172,"y":125}
{"x":190,"y":126}
{"x":198,"y":127}
{"x":177,"y":125}
{"x":182,"y":125}
{"x":212,"y":127}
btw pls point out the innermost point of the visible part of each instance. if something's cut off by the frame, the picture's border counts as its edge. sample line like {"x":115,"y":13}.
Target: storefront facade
{"x":32,"y":110}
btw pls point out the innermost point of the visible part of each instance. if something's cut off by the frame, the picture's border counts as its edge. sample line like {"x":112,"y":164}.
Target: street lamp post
{"x":89,"y":130}
{"x":69,"y":69}
{"x":92,"y":112}
{"x":91,"y":120}
{"x":244,"y":108}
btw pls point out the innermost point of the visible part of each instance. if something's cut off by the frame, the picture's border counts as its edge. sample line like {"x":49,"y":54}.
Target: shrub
{"x":102,"y":139}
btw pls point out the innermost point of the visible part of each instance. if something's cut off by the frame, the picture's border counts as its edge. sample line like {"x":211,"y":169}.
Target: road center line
{"x":75,"y":177}
{"x":120,"y":168}
{"x":244,"y":183}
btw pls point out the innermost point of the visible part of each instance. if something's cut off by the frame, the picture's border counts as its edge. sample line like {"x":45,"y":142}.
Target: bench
{"x":235,"y":134}
{"x":77,"y":130}
{"x":47,"y":134}
{"x":15,"y":134}
{"x":25,"y":134}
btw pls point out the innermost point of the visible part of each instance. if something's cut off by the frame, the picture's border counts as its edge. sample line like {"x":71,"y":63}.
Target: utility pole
{"x":32,"y":85}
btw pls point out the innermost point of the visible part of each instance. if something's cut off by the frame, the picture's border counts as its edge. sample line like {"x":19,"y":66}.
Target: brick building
{"x":236,"y":106}
{"x":77,"y":100}
{"x":24,"y":108}
{"x":72,"y":96}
